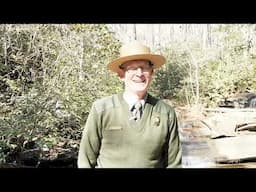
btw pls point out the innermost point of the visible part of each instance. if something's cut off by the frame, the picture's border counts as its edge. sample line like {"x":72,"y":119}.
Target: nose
{"x":139,"y":70}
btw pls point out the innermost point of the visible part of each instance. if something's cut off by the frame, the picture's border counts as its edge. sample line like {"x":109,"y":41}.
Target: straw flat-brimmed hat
{"x":136,"y":51}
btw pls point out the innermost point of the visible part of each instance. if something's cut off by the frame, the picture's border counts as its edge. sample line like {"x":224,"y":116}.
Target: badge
{"x":156,"y":121}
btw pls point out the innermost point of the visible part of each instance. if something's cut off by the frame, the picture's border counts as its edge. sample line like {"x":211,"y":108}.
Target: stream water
{"x":196,"y":154}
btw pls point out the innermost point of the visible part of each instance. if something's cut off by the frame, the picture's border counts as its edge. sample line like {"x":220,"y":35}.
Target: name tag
{"x":114,"y":128}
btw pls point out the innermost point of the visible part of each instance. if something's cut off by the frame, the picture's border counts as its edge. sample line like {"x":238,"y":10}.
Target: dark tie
{"x":137,"y":111}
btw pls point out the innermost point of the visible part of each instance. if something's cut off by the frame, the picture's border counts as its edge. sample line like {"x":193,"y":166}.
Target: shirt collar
{"x":131,"y":100}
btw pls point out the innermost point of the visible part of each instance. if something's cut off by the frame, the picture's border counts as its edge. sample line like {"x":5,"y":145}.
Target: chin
{"x":140,"y":88}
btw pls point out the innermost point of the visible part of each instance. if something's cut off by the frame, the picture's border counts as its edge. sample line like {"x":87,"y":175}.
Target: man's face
{"x":137,"y":75}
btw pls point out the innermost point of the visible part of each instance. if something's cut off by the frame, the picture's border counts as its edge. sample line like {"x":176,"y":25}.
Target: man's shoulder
{"x":105,"y":99}
{"x":161,"y":104}
{"x":165,"y":104}
{"x":106,"y":102}
{"x":165,"y":107}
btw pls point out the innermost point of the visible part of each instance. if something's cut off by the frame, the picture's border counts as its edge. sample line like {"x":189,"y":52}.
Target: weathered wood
{"x":225,"y":110}
{"x":228,"y":121}
{"x":233,"y":149}
{"x":247,"y":126}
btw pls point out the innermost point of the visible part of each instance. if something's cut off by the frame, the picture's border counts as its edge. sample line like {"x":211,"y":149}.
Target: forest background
{"x":51,"y":73}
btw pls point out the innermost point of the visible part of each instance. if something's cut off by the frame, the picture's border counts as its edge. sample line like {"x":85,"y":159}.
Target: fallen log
{"x":233,"y":149}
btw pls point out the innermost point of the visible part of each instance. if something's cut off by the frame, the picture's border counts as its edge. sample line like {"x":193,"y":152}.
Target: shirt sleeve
{"x":90,"y":142}
{"x":174,"y":144}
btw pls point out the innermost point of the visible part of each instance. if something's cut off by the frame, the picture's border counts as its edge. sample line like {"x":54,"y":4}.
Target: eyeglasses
{"x":134,"y":69}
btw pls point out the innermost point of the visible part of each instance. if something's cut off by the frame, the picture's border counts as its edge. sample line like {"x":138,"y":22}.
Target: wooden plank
{"x":232,"y":149}
{"x":226,"y":110}
{"x":247,"y":126}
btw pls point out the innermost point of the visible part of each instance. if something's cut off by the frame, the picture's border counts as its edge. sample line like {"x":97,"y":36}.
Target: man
{"x":131,"y":129}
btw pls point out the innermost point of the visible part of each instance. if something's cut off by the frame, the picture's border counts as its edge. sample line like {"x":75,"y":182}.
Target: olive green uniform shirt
{"x":111,"y":140}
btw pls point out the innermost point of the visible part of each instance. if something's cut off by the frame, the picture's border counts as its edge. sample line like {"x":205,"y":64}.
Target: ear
{"x":121,"y":74}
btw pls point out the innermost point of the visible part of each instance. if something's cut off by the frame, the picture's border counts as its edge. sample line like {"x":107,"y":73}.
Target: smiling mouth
{"x":139,"y":81}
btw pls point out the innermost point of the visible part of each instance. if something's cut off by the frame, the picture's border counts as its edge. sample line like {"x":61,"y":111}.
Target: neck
{"x":135,"y":95}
